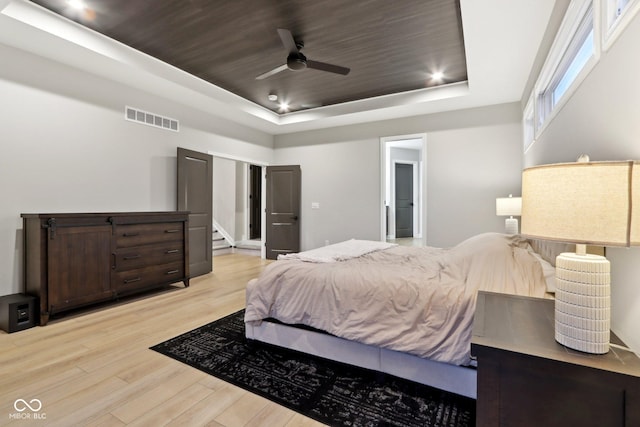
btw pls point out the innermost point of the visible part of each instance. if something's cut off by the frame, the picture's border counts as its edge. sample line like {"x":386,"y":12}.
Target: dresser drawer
{"x":143,"y":256}
{"x":144,"y":234}
{"x":131,"y":280}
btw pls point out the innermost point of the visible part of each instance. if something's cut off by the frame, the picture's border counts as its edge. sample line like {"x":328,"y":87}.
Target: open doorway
{"x":238,"y":205}
{"x":255,"y":202}
{"x":240,"y":208}
{"x":403,"y":189}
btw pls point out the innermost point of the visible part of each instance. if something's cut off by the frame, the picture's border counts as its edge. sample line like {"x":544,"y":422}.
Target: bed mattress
{"x":416,"y":300}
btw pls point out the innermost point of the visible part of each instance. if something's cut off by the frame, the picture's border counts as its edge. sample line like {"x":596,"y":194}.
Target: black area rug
{"x":332,"y":393}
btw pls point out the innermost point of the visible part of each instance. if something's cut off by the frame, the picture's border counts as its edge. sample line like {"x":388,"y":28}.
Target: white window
{"x":614,"y":11}
{"x":616,"y":15}
{"x":578,"y":61}
{"x":573,"y":54}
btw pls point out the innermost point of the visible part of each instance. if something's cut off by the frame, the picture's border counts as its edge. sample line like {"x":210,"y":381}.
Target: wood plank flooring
{"x":95,"y":368}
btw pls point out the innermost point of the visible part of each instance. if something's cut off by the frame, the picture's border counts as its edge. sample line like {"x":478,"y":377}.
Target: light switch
{"x":315,"y":205}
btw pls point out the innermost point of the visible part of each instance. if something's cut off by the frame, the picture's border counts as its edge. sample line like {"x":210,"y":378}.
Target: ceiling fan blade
{"x":287,"y":40}
{"x":323,"y":66}
{"x":272,"y":72}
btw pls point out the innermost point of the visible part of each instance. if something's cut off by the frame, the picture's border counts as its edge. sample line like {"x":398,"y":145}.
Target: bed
{"x":404,"y":311}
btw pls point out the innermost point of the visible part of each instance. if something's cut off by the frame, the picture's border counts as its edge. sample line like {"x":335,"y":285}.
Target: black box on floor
{"x":17,"y":312}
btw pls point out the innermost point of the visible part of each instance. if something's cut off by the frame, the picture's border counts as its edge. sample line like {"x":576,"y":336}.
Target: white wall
{"x":344,"y":178}
{"x":65,"y":147}
{"x":601,"y":119}
{"x":224,"y":195}
{"x":473,"y":156}
{"x":467,"y":169}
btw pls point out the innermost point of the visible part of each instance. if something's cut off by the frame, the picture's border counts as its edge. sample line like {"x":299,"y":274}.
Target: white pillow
{"x":549,"y":272}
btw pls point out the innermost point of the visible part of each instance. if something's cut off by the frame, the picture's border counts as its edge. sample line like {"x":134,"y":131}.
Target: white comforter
{"x":415,"y":300}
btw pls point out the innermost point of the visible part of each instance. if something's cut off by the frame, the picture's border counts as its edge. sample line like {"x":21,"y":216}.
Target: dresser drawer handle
{"x":172,"y":251}
{"x":172,"y":230}
{"x":172,"y":271}
{"x":130,"y":234}
{"x":137,"y":279}
{"x":130,"y":257}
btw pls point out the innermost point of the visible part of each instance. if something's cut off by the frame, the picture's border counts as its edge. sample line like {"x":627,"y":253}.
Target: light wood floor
{"x":95,"y":368}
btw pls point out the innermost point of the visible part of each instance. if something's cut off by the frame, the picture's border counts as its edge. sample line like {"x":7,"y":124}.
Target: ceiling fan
{"x":296,"y":61}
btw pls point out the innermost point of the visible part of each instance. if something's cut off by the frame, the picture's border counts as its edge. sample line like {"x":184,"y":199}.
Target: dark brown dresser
{"x":76,"y":259}
{"x":526,"y":378}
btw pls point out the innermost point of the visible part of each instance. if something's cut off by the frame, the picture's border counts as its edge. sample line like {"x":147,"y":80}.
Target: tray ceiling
{"x":390,"y":47}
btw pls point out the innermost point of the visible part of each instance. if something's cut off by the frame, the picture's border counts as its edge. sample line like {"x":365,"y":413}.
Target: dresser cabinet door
{"x":77,"y":271}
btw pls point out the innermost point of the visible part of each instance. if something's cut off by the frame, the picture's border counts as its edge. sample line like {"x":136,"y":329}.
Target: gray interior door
{"x":283,"y":210}
{"x":404,"y":200}
{"x":195,"y":193}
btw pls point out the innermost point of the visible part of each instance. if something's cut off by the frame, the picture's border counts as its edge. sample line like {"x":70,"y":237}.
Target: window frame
{"x":529,"y":124}
{"x":613,"y":23}
{"x":606,"y":28}
{"x":582,"y":18}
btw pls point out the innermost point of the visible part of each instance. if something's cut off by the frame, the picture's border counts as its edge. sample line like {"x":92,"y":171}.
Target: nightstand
{"x":526,"y":378}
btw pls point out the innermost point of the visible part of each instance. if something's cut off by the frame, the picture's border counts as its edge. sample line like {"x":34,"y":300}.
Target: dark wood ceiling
{"x":391,"y":46}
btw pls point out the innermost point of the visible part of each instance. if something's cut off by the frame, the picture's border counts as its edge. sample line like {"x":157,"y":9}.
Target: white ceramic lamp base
{"x":583,"y":301}
{"x":511,"y":225}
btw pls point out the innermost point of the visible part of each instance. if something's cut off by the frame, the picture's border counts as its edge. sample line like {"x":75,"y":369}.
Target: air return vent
{"x":146,"y":118}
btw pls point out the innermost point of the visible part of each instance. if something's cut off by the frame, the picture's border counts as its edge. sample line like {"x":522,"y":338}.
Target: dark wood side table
{"x":526,"y":378}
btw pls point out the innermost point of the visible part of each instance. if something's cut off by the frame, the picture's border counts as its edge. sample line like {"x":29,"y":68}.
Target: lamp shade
{"x":508,"y":206}
{"x":595,"y":203}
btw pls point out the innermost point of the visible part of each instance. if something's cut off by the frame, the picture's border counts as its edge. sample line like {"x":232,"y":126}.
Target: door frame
{"x":263,"y":204}
{"x":386,"y":143}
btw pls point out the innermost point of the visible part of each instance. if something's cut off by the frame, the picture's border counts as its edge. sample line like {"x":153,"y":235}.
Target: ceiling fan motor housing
{"x":296,"y":61}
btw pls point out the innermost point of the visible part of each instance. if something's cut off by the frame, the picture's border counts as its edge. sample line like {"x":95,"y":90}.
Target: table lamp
{"x":509,"y":206}
{"x":587,"y":203}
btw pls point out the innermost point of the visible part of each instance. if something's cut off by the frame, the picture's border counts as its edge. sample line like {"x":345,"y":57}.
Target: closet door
{"x":78,"y":265}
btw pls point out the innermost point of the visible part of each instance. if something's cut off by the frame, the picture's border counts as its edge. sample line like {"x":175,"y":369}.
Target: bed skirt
{"x":456,"y":379}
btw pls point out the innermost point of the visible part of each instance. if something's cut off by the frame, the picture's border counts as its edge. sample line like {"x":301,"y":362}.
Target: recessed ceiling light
{"x":437,"y":76}
{"x":76,"y":4}
{"x":272,"y":97}
{"x":284,"y":107}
